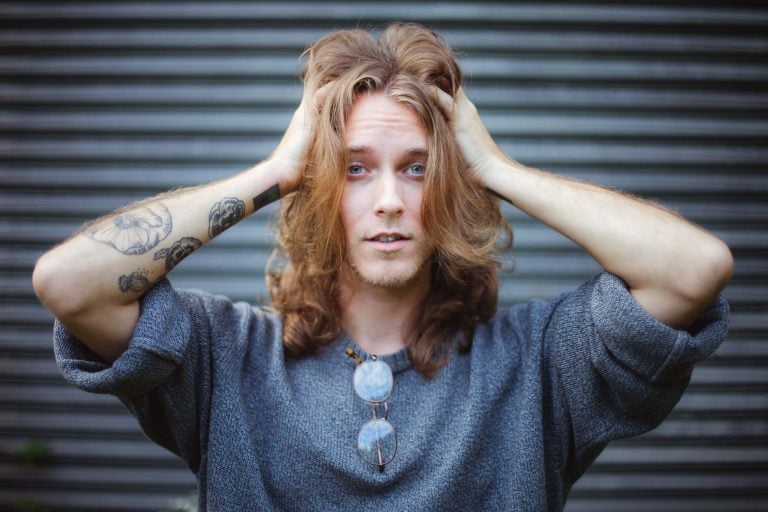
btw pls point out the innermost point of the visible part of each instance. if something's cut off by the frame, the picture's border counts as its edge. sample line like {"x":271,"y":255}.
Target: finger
{"x":322,"y":92}
{"x":317,"y":96}
{"x":443,"y":98}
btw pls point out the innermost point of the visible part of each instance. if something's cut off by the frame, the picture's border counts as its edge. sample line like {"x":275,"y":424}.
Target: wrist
{"x":276,"y":171}
{"x":495,"y":172}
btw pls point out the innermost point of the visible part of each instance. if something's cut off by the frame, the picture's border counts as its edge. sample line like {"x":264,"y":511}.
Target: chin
{"x":389,"y":275}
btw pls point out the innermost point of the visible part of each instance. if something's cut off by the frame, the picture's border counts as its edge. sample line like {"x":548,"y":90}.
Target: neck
{"x":381,"y":319}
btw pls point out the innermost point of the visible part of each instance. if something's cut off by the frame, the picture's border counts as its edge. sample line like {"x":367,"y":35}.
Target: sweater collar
{"x":398,"y":361}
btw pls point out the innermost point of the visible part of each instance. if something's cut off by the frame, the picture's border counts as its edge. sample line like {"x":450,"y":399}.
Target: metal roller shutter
{"x":104,"y":103}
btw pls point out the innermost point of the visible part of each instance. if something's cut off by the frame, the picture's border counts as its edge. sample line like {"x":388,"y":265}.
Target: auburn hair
{"x":463,"y":220}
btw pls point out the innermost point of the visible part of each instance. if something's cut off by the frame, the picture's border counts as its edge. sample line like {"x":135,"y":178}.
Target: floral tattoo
{"x":225,"y":214}
{"x":178,"y":251}
{"x":135,"y":281}
{"x":134,"y":232}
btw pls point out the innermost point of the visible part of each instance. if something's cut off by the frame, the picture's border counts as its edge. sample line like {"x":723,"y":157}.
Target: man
{"x":385,"y":379}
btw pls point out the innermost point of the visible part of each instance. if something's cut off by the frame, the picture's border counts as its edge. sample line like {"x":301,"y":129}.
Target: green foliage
{"x":33,"y":453}
{"x":28,"y":505}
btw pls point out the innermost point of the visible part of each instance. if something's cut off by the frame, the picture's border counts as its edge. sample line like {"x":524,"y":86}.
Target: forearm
{"x":672,"y":266}
{"x":92,"y":281}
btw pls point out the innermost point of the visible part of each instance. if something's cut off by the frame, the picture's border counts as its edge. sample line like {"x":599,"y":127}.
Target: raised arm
{"x":673,"y":268}
{"x":92,"y":282}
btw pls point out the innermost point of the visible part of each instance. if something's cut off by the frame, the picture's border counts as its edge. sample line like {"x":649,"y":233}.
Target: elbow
{"x":50,"y":283}
{"x":725,"y":265}
{"x":720,"y":267}
{"x":711,"y":273}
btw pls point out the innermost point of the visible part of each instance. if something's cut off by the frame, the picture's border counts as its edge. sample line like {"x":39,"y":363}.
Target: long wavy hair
{"x":461,"y":217}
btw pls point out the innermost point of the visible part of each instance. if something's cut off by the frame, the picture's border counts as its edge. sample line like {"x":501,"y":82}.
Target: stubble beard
{"x":390,"y":278}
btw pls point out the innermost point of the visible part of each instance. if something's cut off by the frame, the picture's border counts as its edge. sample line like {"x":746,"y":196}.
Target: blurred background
{"x":103,"y":103}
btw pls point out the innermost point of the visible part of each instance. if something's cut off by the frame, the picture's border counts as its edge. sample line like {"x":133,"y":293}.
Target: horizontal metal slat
{"x":239,"y":151}
{"x":586,"y":502}
{"x":42,"y":425}
{"x":640,"y":484}
{"x":477,"y":12}
{"x":632,"y":455}
{"x":218,"y":38}
{"x":487,"y":68}
{"x":54,"y":397}
{"x":715,"y":431}
{"x":723,"y":374}
{"x":725,"y":403}
{"x":753,"y":350}
{"x":97,"y":500}
{"x":104,"y":452}
{"x":149,"y":479}
{"x":42,"y":203}
{"x":543,"y":96}
{"x":272,"y":122}
{"x":127,"y":178}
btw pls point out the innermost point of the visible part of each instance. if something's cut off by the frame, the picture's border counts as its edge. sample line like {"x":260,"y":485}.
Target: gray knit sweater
{"x":510,"y":425}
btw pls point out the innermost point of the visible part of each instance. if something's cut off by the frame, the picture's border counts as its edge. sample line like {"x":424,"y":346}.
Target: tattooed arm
{"x":92,"y":282}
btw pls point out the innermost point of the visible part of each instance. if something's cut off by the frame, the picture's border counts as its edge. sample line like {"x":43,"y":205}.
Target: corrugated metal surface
{"x":103,"y":103}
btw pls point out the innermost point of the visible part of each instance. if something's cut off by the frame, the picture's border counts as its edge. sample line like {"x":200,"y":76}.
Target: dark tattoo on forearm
{"x":225,"y":214}
{"x":178,"y":251}
{"x":135,"y":281}
{"x":270,"y":195}
{"x":133,"y":232}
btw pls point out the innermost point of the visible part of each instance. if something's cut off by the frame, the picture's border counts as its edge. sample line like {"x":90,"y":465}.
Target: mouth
{"x":387,"y":238}
{"x":388,"y":243}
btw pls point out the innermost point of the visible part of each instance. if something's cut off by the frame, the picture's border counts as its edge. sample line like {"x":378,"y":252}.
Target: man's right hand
{"x":290,"y":154}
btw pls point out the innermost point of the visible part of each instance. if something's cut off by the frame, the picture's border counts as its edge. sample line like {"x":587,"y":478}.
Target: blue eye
{"x":355,"y":170}
{"x":417,"y":169}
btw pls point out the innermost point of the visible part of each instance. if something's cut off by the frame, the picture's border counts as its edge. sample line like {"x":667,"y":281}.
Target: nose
{"x":389,"y":199}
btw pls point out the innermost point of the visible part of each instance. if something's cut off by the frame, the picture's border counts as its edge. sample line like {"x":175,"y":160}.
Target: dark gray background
{"x":107,"y":102}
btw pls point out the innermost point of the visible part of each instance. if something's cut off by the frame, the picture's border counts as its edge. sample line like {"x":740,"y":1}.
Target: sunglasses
{"x":373,"y":380}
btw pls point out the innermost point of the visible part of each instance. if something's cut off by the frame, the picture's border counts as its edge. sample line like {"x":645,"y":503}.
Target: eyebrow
{"x":416,"y":152}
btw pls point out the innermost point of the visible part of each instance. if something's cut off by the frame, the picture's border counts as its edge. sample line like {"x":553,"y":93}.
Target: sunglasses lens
{"x":373,"y":380}
{"x":376,"y":442}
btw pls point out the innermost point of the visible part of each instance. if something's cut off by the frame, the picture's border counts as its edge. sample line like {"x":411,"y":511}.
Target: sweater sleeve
{"x":619,"y":370}
{"x":164,"y":377}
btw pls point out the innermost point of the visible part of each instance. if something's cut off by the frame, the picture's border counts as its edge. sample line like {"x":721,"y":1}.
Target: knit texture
{"x":511,"y":425}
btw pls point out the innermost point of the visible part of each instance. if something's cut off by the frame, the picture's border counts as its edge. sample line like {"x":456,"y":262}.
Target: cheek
{"x":413,"y":199}
{"x":349,"y":213}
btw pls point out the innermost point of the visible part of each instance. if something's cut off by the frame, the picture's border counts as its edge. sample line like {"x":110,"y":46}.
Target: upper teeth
{"x":387,"y":238}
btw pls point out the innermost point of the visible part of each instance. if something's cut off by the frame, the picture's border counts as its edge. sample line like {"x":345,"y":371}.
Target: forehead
{"x":377,"y":121}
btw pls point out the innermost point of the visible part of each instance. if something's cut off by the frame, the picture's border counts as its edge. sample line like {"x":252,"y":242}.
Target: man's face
{"x":381,"y":203}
